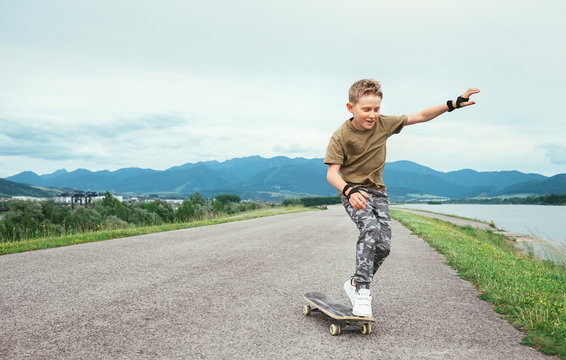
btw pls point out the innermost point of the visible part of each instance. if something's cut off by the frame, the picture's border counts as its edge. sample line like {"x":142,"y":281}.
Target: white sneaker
{"x":350,"y":290}
{"x":362,"y":303}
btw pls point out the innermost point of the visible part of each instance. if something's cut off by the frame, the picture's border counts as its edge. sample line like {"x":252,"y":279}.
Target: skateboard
{"x":345,"y":320}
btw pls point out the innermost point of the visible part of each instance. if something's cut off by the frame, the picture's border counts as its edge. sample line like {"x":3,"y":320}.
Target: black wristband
{"x":352,"y":192}
{"x":450,"y":106}
{"x":348,"y":186}
{"x":460,"y":100}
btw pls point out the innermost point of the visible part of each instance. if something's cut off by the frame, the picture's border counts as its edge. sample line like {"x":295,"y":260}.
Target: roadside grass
{"x":82,"y":238}
{"x":490,"y":223}
{"x":527,"y":292}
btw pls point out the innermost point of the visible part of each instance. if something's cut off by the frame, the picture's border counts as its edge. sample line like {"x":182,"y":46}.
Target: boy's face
{"x":365,"y":111}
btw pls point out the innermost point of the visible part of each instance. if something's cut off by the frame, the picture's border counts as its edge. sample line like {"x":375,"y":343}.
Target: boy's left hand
{"x":467,"y":94}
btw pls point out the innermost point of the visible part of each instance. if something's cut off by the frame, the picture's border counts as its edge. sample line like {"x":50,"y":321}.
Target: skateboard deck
{"x":337,"y":311}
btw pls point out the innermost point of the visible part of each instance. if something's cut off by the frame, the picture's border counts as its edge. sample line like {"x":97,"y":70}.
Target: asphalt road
{"x":235,"y":291}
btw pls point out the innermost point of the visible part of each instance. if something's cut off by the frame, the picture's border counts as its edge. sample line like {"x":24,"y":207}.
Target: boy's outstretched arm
{"x":432,"y":112}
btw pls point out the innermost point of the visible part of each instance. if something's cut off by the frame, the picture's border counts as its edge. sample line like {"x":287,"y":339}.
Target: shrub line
{"x":83,"y":238}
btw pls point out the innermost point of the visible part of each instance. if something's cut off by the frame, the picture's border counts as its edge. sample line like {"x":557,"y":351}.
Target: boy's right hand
{"x":358,"y":200}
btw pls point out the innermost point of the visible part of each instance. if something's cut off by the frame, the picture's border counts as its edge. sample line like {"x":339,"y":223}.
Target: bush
{"x":112,"y":223}
{"x":111,"y":206}
{"x":318,"y":201}
{"x":27,"y":219}
{"x":86,"y":219}
{"x":186,"y":211}
{"x":312,"y":201}
{"x":228,"y":198}
{"x":292,"y":202}
{"x":161,"y":208}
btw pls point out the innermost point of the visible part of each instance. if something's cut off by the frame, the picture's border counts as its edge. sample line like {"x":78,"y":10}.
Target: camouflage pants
{"x":374,"y":241}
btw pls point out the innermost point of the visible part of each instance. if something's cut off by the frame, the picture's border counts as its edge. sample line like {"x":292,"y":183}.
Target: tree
{"x":57,"y":214}
{"x":218,"y":207}
{"x":140,"y":216}
{"x":186,"y":211}
{"x":23,"y":220}
{"x":111,"y":206}
{"x":86,"y":219}
{"x":161,"y":208}
{"x":196,"y":198}
{"x":228,"y":198}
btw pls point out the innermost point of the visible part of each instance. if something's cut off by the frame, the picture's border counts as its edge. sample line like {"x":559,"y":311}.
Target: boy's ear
{"x":350,"y":107}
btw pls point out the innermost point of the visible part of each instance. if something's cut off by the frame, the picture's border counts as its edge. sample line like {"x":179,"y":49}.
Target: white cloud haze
{"x":115,"y":84}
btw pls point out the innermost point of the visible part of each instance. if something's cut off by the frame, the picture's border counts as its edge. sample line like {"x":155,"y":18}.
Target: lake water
{"x":547,"y":223}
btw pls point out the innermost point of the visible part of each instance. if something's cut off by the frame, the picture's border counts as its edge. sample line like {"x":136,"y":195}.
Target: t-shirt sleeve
{"x":394,"y":124}
{"x":334,"y":152}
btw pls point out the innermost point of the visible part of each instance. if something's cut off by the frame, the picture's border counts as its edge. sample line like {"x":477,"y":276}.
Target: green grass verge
{"x":529,"y":293}
{"x":490,"y":223}
{"x":82,"y":238}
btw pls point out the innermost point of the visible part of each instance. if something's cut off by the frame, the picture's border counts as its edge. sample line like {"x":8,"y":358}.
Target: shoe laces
{"x":363,"y":297}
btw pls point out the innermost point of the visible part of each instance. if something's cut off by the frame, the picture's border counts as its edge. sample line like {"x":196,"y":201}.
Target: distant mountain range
{"x":280,"y":177}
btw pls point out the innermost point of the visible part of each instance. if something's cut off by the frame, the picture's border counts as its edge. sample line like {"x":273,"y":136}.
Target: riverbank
{"x":478,"y":224}
{"x":529,"y":293}
{"x":533,"y":228}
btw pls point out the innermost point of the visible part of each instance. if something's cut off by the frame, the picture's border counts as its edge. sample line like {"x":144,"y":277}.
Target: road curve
{"x":235,"y":291}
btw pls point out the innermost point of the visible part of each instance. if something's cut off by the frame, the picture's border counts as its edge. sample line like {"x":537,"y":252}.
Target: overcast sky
{"x":155,"y":84}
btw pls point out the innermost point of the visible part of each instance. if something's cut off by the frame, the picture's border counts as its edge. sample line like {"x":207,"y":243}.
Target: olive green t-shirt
{"x":361,"y":153}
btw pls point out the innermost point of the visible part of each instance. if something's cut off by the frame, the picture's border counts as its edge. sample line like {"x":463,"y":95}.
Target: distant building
{"x":31,"y":198}
{"x":80,"y":198}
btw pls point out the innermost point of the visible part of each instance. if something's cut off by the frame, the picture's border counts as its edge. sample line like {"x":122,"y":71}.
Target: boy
{"x":355,"y":159}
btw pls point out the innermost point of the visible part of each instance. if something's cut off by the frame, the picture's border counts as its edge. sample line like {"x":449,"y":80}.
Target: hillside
{"x":280,"y":177}
{"x":553,"y":185}
{"x":10,"y":188}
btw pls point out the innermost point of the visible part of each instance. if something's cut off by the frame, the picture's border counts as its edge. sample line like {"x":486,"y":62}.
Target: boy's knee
{"x":382,"y":253}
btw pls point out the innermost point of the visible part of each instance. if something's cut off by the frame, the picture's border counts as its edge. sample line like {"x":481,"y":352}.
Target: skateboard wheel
{"x":366,"y":329}
{"x":335,"y":329}
{"x":307,"y":310}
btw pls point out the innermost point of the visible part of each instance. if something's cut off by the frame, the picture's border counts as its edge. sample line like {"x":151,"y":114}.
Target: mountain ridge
{"x":276,"y":178}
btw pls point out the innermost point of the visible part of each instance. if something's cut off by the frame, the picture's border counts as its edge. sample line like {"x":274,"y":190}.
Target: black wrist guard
{"x":460,"y":100}
{"x":449,"y":104}
{"x":348,"y":186}
{"x":352,"y":192}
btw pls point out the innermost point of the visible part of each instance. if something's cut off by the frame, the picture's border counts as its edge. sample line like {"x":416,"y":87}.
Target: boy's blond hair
{"x":364,"y":87}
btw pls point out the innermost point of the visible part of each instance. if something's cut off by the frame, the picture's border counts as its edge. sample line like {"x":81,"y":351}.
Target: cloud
{"x":293,"y":148}
{"x":271,"y":78}
{"x":53,"y":139}
{"x":555,"y":153}
{"x":133,"y":124}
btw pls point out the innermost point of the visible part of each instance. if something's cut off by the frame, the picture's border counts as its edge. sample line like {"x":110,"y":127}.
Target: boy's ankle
{"x":360,"y":286}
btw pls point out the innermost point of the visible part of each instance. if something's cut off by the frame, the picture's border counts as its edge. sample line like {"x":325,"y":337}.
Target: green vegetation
{"x":312,"y":201}
{"x":227,"y":198}
{"x":552,"y":199}
{"x":28,"y":220}
{"x":529,"y":293}
{"x":10,"y":188}
{"x":81,"y":238}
